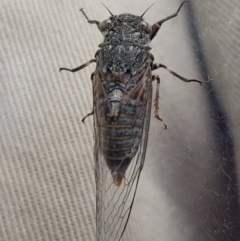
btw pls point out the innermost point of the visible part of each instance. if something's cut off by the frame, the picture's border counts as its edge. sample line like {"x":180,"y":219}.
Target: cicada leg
{"x":172,"y":15}
{"x":157,"y":66}
{"x":89,"y":21}
{"x":91,"y":113}
{"x":92,"y":75}
{"x":79,"y":67}
{"x":156,"y":100}
{"x":157,"y":25}
{"x":86,"y":116}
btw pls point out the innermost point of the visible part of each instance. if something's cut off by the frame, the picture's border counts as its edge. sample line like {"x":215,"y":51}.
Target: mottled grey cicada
{"x":122,"y":99}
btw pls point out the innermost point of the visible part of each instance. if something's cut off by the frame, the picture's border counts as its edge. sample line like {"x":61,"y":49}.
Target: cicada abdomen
{"x":122,"y":99}
{"x":120,"y":146}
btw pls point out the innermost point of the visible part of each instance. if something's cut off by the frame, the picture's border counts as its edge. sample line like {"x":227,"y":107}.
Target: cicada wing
{"x":115,"y":201}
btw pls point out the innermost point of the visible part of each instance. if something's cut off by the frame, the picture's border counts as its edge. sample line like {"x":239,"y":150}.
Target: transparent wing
{"x":114,"y":202}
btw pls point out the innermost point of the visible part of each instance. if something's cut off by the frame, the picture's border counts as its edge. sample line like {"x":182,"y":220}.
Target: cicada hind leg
{"x":157,"y":96}
{"x":156,"y":100}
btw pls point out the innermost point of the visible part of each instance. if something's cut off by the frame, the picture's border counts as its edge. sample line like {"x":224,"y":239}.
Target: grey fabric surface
{"x":189,"y":187}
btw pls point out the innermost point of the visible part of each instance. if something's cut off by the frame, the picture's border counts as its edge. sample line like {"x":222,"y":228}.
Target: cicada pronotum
{"x":122,"y":99}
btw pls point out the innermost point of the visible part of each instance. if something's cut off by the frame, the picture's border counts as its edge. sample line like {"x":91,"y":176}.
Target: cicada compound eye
{"x":146,"y":27}
{"x":103,"y":25}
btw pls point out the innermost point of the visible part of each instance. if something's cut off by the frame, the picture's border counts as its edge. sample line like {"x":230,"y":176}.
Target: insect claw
{"x":86,"y":116}
{"x":194,"y":80}
{"x":64,"y":69}
{"x":159,"y":118}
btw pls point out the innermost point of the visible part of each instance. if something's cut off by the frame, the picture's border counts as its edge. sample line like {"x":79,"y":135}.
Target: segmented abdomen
{"x":120,"y":139}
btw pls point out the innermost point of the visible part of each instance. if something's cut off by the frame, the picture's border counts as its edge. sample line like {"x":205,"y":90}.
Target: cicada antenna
{"x":146,"y":10}
{"x":107,"y":9}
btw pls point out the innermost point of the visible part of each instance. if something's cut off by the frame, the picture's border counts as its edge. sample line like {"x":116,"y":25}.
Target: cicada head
{"x":126,"y":27}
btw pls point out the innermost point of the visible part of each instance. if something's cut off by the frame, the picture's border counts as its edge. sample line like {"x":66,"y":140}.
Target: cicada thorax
{"x":121,"y":104}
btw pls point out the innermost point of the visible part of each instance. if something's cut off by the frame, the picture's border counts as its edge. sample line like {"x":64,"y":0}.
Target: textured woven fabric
{"x":188,"y":188}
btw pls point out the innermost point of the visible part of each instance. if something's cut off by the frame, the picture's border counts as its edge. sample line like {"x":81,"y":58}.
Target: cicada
{"x":122,"y":100}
